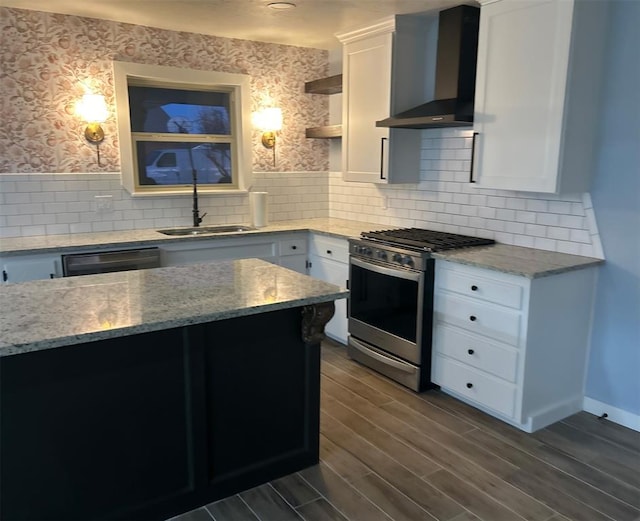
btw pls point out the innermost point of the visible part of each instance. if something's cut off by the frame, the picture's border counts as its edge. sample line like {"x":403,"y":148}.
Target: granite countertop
{"x":46,"y":314}
{"x":78,"y":242}
{"x":527,"y":262}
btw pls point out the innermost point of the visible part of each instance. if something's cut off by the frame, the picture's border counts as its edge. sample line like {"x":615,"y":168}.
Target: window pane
{"x":172,"y":163}
{"x":163,"y":110}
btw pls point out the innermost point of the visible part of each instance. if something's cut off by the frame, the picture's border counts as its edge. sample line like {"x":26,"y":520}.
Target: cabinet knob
{"x":472,"y":318}
{"x":474,"y":288}
{"x":329,"y":252}
{"x":294,"y":247}
{"x":469,"y":385}
{"x":470,"y":351}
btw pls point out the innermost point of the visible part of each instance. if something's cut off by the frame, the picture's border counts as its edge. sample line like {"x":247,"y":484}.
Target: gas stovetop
{"x":424,"y":240}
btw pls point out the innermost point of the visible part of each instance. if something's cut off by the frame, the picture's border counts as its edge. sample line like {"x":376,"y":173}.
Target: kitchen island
{"x":142,"y":394}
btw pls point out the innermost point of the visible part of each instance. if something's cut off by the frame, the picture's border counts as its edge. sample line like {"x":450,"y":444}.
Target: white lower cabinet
{"x":511,"y":346}
{"x":329,"y":261}
{"x":293,"y":252}
{"x":22,"y":268}
{"x":181,"y":253}
{"x":287,"y":249}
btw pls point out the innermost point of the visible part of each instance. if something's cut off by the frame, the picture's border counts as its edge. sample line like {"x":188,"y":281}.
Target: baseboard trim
{"x":619,"y":416}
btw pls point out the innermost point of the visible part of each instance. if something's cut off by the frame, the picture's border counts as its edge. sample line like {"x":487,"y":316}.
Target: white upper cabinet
{"x":383,"y":73}
{"x":537,"y":94}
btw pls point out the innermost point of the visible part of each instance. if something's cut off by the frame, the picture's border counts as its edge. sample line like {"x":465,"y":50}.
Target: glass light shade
{"x":268,"y":120}
{"x":93,"y":108}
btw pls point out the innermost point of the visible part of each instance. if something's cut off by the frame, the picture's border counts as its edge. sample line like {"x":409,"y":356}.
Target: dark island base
{"x":151,"y":425}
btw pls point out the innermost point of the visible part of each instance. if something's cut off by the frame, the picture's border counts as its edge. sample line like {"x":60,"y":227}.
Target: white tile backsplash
{"x":41,"y":204}
{"x":447,"y":202}
{"x":52,"y":204}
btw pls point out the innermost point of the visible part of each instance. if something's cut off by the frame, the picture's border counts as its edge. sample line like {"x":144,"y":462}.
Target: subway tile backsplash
{"x":444,"y":200}
{"x":49,"y":204}
{"x":52,"y":204}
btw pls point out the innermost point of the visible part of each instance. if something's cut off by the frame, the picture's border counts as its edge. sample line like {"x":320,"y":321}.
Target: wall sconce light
{"x":92,"y":108}
{"x":269,"y":121}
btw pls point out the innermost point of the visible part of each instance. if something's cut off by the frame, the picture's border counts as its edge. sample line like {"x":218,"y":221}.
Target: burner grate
{"x":427,"y":240}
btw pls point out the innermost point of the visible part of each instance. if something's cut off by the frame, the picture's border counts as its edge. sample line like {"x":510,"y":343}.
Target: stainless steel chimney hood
{"x":455,"y":78}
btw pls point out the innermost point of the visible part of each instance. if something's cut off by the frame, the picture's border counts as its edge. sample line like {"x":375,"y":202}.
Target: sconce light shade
{"x":92,"y":108}
{"x":268,"y":120}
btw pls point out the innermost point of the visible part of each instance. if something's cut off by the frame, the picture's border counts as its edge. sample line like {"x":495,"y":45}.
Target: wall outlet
{"x":104,"y":203}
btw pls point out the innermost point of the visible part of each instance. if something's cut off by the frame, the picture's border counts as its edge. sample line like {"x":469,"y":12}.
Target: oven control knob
{"x":407,"y":261}
{"x":397,"y":258}
{"x":382,"y":255}
{"x":367,"y":251}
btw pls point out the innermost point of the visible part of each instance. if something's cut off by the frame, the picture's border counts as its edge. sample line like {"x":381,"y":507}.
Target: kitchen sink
{"x":206,"y":230}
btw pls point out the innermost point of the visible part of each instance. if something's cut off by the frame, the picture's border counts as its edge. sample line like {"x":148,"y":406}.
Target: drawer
{"x":478,"y":387}
{"x":476,"y":351}
{"x":293,"y":246}
{"x":471,"y":282}
{"x":329,"y":248}
{"x":497,"y":322}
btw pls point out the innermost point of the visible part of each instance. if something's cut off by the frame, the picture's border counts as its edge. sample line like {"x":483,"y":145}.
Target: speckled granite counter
{"x":528,"y":262}
{"x":46,"y":314}
{"x":79,"y":242}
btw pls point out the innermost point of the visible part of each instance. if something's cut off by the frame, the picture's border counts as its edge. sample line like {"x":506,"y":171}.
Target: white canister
{"x":258,"y":207}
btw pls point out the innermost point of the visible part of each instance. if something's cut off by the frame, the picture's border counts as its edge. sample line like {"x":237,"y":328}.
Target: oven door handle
{"x":381,"y":358}
{"x":383,"y":270}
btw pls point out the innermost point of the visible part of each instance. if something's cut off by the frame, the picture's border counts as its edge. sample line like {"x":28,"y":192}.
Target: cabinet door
{"x":293,"y":252}
{"x":295,"y":262}
{"x":203,"y":250}
{"x":35,"y":267}
{"x":366,"y":99}
{"x":335,"y":273}
{"x":523,"y":58}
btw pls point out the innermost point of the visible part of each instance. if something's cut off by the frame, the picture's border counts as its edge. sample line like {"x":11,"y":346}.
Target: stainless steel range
{"x":391,"y":300}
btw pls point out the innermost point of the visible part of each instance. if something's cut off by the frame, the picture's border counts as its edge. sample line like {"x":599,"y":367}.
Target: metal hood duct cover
{"x":455,"y":78}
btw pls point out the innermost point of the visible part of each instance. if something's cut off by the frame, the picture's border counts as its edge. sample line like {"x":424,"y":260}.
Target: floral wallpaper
{"x":48,"y":61}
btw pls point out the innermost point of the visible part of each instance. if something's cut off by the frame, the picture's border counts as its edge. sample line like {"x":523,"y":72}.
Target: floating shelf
{"x":325,"y":132}
{"x":330,"y":85}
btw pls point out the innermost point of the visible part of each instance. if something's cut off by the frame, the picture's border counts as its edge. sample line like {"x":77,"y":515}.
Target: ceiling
{"x":312,"y":23}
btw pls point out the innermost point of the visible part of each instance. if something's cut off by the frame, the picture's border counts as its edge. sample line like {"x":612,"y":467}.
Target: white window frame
{"x":237,"y":85}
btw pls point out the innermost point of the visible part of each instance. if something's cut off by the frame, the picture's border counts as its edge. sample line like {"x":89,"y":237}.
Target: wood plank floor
{"x":390,"y":454}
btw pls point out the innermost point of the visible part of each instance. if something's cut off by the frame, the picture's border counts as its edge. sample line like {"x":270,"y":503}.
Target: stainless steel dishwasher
{"x":107,"y":261}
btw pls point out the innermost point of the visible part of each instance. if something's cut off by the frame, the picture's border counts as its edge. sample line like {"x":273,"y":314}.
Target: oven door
{"x":386,"y":307}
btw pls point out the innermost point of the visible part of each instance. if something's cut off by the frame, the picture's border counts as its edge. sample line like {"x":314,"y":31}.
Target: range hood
{"x":455,"y":77}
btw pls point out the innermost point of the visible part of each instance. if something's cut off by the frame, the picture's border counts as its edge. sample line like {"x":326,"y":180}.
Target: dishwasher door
{"x":108,"y":261}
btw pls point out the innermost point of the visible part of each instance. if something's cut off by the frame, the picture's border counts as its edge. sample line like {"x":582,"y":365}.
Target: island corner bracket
{"x":314,"y":318}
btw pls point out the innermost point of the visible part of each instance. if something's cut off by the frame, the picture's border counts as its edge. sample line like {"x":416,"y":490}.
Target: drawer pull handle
{"x":474,"y":288}
{"x":329,"y":252}
{"x":470,"y":351}
{"x":469,"y":385}
{"x":472,"y":318}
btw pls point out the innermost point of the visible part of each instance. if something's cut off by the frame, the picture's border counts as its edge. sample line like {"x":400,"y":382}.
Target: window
{"x":180,"y":125}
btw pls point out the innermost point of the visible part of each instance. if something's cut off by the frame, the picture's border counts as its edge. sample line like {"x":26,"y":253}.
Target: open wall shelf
{"x":329,"y":85}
